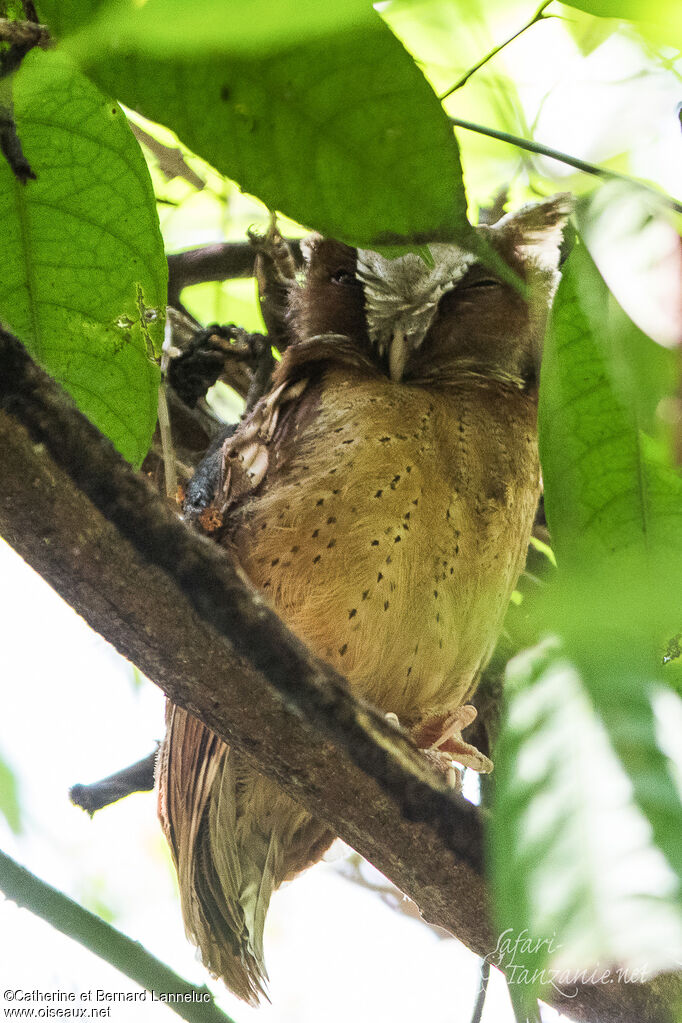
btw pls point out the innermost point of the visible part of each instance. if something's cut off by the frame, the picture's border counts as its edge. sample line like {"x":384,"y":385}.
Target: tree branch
{"x":171,"y":602}
{"x":218,"y":262}
{"x":194,"y":1004}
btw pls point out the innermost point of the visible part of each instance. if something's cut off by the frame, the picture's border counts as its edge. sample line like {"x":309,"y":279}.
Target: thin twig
{"x":129,"y":957}
{"x":138,"y":777}
{"x":572,"y":161}
{"x":538,"y":16}
{"x":479,"y":1004}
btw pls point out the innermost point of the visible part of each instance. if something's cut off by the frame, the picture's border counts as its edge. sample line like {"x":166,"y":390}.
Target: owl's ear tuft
{"x":536,"y":230}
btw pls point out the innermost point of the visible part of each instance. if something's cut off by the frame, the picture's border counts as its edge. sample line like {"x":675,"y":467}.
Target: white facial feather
{"x":402,"y":296}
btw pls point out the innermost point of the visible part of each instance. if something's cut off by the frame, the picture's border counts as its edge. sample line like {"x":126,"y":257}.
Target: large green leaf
{"x":83,"y":278}
{"x":609,"y":488}
{"x":580,"y":883}
{"x":585,"y":836}
{"x":342,"y":133}
{"x":174,"y":27}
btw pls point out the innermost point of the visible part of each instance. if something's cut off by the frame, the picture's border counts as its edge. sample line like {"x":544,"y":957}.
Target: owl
{"x":381,"y":496}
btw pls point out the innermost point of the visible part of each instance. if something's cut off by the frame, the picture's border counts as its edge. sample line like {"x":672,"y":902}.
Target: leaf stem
{"x":128,"y":956}
{"x":572,"y":161}
{"x":538,"y":16}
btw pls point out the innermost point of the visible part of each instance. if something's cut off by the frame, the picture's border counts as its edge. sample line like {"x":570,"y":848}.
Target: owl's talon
{"x":443,"y":735}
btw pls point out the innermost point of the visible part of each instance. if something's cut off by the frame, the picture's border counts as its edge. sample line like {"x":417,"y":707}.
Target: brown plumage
{"x":382,"y":496}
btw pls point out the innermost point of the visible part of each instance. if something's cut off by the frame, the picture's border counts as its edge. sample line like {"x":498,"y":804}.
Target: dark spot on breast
{"x":397,"y":539}
{"x":331,"y":520}
{"x":275,"y":561}
{"x":332,"y":543}
{"x":295,"y":549}
{"x":408,"y":468}
{"x":318,"y":557}
{"x":394,"y":482}
{"x":385,"y":605}
{"x":343,"y":649}
{"x":435,"y":593}
{"x":384,"y":440}
{"x":375,"y":543}
{"x":380,"y":576}
{"x":388,"y":560}
{"x":352,"y":614}
{"x":409,"y":671}
{"x":365,"y":594}
{"x":351,"y":441}
{"x":378,"y":493}
{"x":321,"y":501}
{"x":315,"y":533}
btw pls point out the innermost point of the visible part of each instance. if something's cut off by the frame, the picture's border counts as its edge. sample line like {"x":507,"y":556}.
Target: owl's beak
{"x":398,"y":351}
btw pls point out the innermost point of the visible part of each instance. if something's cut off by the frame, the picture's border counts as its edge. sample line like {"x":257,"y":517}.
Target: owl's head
{"x":460,"y":311}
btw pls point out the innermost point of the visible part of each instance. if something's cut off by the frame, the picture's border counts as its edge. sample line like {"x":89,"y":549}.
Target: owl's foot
{"x":443,"y":735}
{"x":440,"y":741}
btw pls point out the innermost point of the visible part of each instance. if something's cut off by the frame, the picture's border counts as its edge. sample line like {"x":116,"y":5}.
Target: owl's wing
{"x":263,"y":439}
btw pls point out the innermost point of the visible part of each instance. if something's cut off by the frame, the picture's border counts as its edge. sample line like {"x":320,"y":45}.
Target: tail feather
{"x":235,"y":838}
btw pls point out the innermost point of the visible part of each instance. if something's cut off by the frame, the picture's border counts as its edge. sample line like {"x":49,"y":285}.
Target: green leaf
{"x":610,"y":492}
{"x":343,"y":134}
{"x":171,"y":28}
{"x":84,"y":274}
{"x":10,"y":807}
{"x":575,"y":852}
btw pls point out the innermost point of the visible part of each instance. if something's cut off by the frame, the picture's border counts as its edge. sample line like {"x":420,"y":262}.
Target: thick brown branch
{"x":171,"y":602}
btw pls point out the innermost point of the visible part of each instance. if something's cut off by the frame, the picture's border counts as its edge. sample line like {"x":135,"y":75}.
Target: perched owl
{"x":381,"y":495}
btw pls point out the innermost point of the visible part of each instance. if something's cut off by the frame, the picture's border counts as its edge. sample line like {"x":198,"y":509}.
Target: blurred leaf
{"x":84,"y":274}
{"x":663,"y":13}
{"x":638,"y":251}
{"x":579,"y":879}
{"x":346,"y":136}
{"x":10,"y":806}
{"x":171,"y":28}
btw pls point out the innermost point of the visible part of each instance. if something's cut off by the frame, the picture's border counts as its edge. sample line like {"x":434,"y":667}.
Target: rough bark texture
{"x":171,"y":602}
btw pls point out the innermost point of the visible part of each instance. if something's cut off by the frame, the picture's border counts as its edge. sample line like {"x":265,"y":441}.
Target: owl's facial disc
{"x":402,"y":296}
